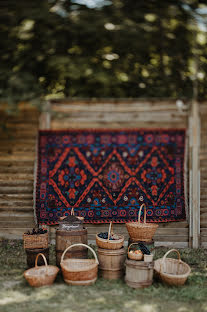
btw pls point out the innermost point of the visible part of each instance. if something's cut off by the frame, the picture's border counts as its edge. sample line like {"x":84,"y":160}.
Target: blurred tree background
{"x":95,"y":48}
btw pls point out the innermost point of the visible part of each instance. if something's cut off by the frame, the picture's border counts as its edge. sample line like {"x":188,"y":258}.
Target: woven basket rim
{"x":65,"y":264}
{"x":32,"y":235}
{"x":158,"y":261}
{"x":42,"y":267}
{"x":135,"y":257}
{"x":141,"y":225}
{"x":116,"y":241}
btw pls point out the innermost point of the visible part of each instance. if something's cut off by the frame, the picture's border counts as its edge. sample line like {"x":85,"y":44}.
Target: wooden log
{"x":16,"y":189}
{"x":114,"y":108}
{"x":55,"y":124}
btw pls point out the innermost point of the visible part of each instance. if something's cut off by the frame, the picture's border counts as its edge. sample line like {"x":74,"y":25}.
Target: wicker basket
{"x":41,"y":275}
{"x":35,"y":241}
{"x":134,"y":256}
{"x":110,"y":244}
{"x":172,"y":271}
{"x":79,"y":271}
{"x":141,"y":231}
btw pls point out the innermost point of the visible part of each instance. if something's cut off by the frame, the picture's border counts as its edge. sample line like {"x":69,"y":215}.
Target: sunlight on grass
{"x":137,"y":306}
{"x":12,"y":297}
{"x":44,"y":293}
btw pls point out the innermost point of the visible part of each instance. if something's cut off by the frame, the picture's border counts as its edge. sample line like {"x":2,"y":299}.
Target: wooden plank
{"x":11,"y":182}
{"x":45,"y":117}
{"x":62,"y":124}
{"x":114,"y":108}
{"x":107,"y":117}
{"x":16,"y":190}
{"x":194,"y":126}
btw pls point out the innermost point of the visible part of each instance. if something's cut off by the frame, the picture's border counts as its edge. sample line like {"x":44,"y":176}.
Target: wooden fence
{"x":17,"y":156}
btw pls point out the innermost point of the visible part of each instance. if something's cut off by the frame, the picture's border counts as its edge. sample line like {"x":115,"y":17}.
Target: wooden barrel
{"x":111,"y":262}
{"x":32,"y":253}
{"x":65,"y":239}
{"x":139,"y":274}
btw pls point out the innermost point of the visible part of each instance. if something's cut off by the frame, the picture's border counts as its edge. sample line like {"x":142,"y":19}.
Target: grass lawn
{"x":104,"y":296}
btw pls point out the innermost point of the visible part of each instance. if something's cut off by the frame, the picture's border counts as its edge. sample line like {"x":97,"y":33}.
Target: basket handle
{"x":145,"y":213}
{"x":71,"y":246}
{"x":162,"y":267}
{"x":131,"y":245}
{"x":110,"y":230}
{"x":45,"y":260}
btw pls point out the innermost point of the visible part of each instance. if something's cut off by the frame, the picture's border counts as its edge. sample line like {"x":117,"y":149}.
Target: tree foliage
{"x":122,"y":49}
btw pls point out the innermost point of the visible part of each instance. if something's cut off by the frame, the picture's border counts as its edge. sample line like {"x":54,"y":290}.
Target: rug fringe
{"x":35,"y":180}
{"x":186,"y":176}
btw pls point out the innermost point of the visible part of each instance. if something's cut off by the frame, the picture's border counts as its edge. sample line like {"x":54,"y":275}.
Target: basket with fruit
{"x":135,"y":254}
{"x":109,"y":240}
{"x":36,"y":239}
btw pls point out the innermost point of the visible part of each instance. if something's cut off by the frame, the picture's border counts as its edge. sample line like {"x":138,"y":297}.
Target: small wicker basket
{"x":141,"y":231}
{"x":41,"y":275}
{"x":110,"y":244}
{"x":134,"y":256}
{"x":172,"y":271}
{"x":35,"y":241}
{"x":79,"y":271}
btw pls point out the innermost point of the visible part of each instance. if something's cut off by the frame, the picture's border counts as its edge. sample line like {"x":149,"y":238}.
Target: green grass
{"x":104,"y":296}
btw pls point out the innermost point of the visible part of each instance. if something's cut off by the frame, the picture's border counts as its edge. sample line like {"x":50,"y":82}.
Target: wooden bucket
{"x":32,"y":254}
{"x":111,"y":262}
{"x":139,"y":274}
{"x":65,"y":239}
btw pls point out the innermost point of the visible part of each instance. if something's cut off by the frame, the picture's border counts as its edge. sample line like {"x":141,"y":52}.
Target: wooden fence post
{"x":194,"y":176}
{"x":45,"y":117}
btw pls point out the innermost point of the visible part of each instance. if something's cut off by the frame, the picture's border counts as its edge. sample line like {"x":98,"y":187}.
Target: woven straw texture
{"x":141,"y":231}
{"x":79,"y":271}
{"x":41,"y":275}
{"x":134,"y":256}
{"x":110,"y":244}
{"x":172,"y":271}
{"x":35,"y":241}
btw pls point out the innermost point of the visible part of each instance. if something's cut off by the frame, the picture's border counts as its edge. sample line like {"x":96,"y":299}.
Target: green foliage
{"x":122,"y":49}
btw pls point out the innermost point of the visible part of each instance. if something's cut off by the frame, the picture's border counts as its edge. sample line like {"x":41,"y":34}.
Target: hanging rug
{"x":107,"y":174}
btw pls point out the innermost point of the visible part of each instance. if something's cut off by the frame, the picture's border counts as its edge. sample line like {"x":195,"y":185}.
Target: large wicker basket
{"x":141,"y":231}
{"x":35,"y":241}
{"x":110,"y":244}
{"x":172,"y":271}
{"x":41,"y":275}
{"x":79,"y":271}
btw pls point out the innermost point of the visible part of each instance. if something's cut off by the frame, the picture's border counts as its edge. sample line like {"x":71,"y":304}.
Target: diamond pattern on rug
{"x":107,"y":174}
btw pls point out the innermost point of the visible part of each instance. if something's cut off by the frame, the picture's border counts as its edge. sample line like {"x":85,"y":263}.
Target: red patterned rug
{"x":107,"y":174}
